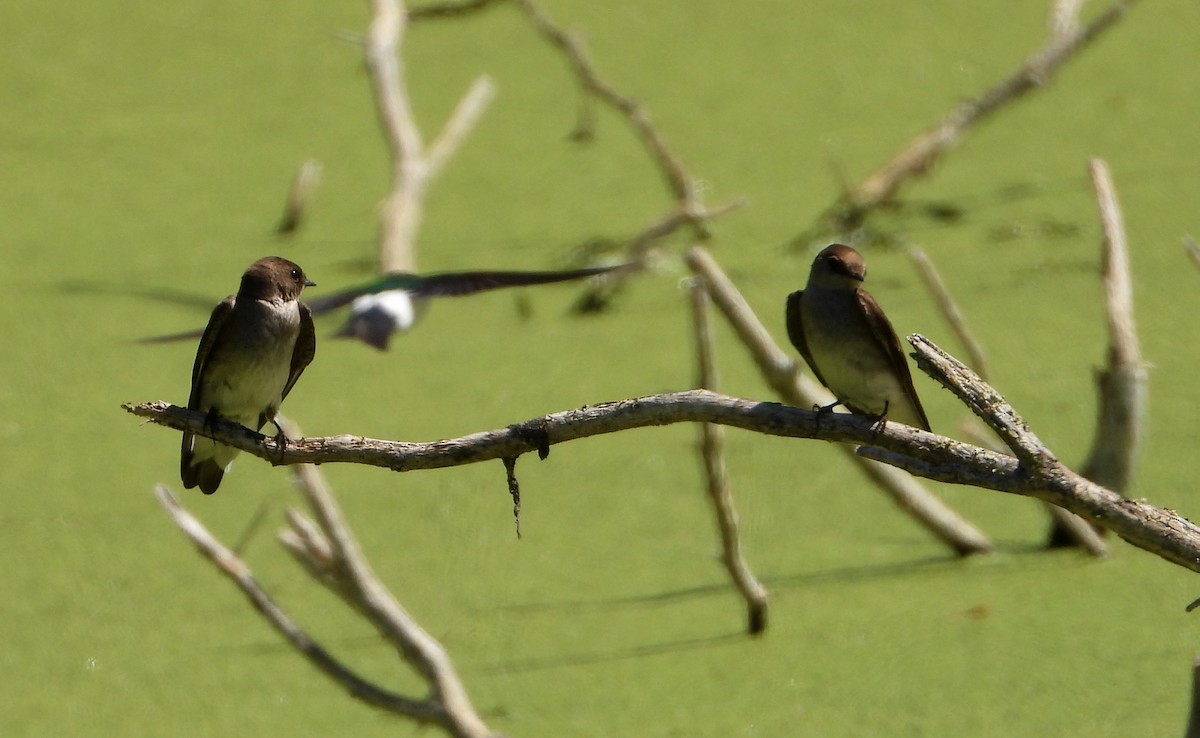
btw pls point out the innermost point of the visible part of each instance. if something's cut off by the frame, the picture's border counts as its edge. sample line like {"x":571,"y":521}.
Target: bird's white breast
{"x":396,"y":303}
{"x":247,"y":381}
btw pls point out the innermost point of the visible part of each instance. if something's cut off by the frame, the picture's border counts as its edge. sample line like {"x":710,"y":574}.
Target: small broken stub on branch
{"x":534,"y":433}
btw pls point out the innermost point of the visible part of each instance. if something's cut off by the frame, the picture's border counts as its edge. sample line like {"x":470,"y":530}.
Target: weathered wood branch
{"x":948,"y":306}
{"x":332,"y":552}
{"x":1121,"y":384}
{"x":412,"y":167}
{"x":1033,"y":472}
{"x":1038,"y":473}
{"x":1065,"y":39}
{"x":688,"y":210}
{"x":1066,"y":529}
{"x":712,"y":453}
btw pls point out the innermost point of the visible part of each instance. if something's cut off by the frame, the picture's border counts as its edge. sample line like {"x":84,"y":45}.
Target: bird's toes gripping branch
{"x":281,"y":443}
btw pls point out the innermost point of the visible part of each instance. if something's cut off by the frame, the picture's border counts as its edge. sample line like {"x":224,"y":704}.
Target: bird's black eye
{"x":296,"y":274}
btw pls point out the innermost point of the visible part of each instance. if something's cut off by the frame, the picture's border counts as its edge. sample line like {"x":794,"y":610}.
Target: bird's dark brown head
{"x":838,"y":265}
{"x":274,"y":277}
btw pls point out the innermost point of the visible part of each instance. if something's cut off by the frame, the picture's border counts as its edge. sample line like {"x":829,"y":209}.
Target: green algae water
{"x":146,"y":149}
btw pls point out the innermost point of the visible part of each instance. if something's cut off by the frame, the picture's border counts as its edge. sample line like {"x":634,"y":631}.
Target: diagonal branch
{"x":1066,"y":38}
{"x":412,"y":167}
{"x":950,"y":311}
{"x":680,"y":183}
{"x":228,"y":563}
{"x":1039,"y":475}
{"x":1121,"y":385}
{"x":712,"y":452}
{"x":983,"y":400}
{"x":329,"y":551}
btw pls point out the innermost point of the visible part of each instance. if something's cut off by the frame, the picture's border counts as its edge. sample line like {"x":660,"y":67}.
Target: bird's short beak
{"x":309,"y":283}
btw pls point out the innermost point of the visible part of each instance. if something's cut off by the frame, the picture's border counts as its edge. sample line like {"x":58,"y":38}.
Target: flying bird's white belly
{"x":396,"y":303}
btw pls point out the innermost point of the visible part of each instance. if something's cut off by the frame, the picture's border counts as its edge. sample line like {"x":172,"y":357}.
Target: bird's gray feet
{"x":880,"y":420}
{"x":281,"y":442}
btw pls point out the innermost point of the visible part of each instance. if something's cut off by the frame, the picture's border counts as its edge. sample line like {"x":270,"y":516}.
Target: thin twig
{"x":229,"y":564}
{"x":681,"y":184}
{"x":412,"y":167}
{"x":1193,"y":249}
{"x":712,"y":451}
{"x":1069,"y":529}
{"x":689,"y":209}
{"x":1121,"y":385}
{"x":977,"y":360}
{"x":299,"y":198}
{"x":781,"y":373}
{"x":920,"y":154}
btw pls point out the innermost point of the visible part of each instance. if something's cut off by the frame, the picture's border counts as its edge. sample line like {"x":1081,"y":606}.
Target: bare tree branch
{"x":712,"y":451}
{"x":1193,"y":726}
{"x":343,"y":568}
{"x":977,"y":360}
{"x":299,"y":198}
{"x":782,"y":375}
{"x":1193,"y":249}
{"x":918,"y":156}
{"x":1160,"y":531}
{"x":689,"y":209}
{"x":1121,"y":385}
{"x":1034,"y":472}
{"x":682,"y":186}
{"x":1066,"y":529}
{"x":412,"y":167}
{"x":443,"y":708}
{"x":449,"y":9}
{"x":1069,"y":529}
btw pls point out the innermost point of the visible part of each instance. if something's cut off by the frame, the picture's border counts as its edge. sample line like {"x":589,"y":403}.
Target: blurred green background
{"x":146,"y":148}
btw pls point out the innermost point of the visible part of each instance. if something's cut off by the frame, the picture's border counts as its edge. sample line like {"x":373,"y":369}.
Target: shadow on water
{"x":1012,"y":560}
{"x":510,"y":666}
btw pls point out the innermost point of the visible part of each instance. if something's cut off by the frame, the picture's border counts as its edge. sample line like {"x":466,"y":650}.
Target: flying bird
{"x":255,"y":347}
{"x":849,"y":343}
{"x":394,"y":302}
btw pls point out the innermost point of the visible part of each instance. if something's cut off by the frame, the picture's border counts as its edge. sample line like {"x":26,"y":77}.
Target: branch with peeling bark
{"x":328,"y":551}
{"x":1066,"y":529}
{"x":1121,"y":385}
{"x":1066,"y":38}
{"x":1032,"y":470}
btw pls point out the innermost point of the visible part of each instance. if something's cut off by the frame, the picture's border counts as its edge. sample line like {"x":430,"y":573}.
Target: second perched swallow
{"x":392,"y":303}
{"x":255,"y":346}
{"x":849,"y":343}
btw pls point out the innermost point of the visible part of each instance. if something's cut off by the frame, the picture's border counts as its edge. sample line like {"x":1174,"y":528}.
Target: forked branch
{"x":1067,"y":36}
{"x":1034,"y":471}
{"x":329,"y":553}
